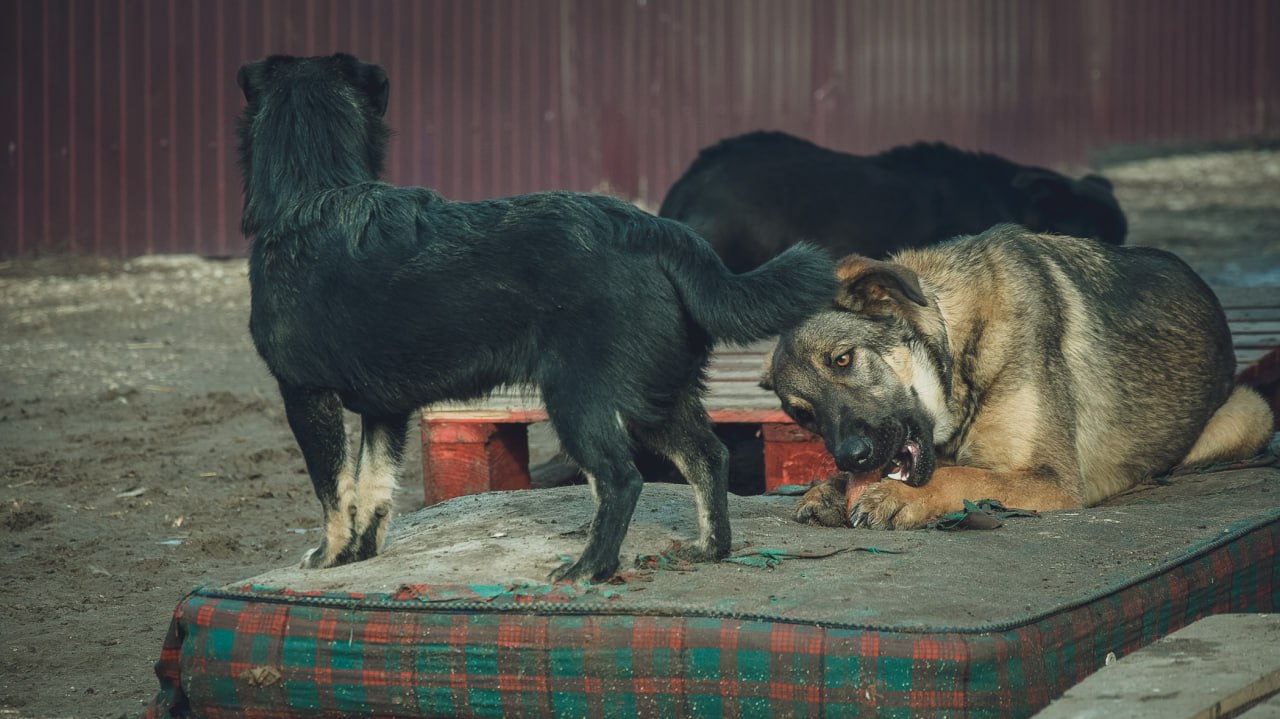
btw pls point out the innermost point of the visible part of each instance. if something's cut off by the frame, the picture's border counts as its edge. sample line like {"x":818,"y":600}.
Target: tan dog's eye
{"x":844,"y":360}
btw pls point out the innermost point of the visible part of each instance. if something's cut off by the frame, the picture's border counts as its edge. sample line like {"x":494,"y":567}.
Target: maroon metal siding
{"x":119,"y":125}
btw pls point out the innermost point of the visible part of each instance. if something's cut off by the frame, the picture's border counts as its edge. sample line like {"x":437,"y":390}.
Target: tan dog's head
{"x":869,"y":375}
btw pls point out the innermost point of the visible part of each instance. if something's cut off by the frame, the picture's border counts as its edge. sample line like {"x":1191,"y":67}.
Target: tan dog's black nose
{"x":853,"y":453}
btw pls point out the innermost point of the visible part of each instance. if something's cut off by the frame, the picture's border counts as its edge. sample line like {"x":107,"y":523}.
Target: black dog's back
{"x":491,"y":292}
{"x":753,"y":195}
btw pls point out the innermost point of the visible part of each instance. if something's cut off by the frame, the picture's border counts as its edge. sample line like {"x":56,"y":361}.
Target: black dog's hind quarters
{"x":383,"y":299}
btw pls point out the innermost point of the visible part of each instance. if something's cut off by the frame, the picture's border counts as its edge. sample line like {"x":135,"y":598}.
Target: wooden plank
{"x":720,"y":373}
{"x":729,"y":395}
{"x":723,"y":413}
{"x":1209,"y":668}
{"x":1247,"y":307}
{"x":1246,"y":357}
{"x":1254,"y":327}
{"x":1251,"y":314}
{"x":485,"y":414}
{"x":753,"y":348}
{"x":1269,"y":709}
{"x":1256,"y":341}
{"x":1267,"y":297}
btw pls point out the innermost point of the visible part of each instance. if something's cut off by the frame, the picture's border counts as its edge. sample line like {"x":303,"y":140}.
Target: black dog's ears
{"x":875,"y":288}
{"x":1034,"y":178}
{"x":372,"y":80}
{"x":252,"y":76}
{"x":250,"y":79}
{"x":1039,"y":183}
{"x":1098,"y":180}
{"x":1042,"y":187}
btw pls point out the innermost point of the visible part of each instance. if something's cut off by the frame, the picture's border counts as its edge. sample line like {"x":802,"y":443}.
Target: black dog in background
{"x":752,"y":196}
{"x":383,"y":299}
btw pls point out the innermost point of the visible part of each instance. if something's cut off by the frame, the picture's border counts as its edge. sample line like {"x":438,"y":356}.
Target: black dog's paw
{"x":322,"y":557}
{"x":566,"y":573}
{"x":580,"y":570}
{"x":697,"y":552}
{"x":341,"y":543}
{"x":319,"y":557}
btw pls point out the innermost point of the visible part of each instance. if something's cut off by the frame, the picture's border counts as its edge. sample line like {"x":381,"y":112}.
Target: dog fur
{"x":1046,"y":372}
{"x":383,"y":299}
{"x":753,"y":195}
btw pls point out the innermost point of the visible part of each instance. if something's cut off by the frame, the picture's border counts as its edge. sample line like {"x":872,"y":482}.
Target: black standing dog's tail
{"x":754,"y":305}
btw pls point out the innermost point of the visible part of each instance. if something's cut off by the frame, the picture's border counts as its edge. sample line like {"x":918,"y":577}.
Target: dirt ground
{"x":144,"y":451}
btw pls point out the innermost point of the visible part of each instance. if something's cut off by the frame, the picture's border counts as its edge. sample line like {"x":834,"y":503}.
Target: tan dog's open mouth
{"x":898,"y":469}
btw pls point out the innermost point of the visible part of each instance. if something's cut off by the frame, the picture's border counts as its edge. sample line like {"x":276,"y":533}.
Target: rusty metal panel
{"x":119,"y":115}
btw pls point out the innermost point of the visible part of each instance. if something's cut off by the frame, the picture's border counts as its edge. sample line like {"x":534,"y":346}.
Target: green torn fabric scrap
{"x":791,"y":490}
{"x":983,"y":514}
{"x":770,"y":558}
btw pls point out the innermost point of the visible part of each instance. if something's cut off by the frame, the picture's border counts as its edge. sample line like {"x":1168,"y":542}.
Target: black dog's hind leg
{"x":691,"y":445}
{"x":315,"y":416}
{"x":598,"y":441}
{"x":381,"y":459}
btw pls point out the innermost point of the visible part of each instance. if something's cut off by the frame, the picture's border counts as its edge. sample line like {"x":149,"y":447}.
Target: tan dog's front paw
{"x":893,"y":505}
{"x":824,"y":504}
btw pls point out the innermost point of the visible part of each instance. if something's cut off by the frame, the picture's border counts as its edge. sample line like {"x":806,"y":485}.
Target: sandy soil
{"x":144,"y":451}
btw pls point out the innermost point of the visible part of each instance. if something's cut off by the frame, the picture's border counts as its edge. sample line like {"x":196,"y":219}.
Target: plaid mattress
{"x":508,"y":652}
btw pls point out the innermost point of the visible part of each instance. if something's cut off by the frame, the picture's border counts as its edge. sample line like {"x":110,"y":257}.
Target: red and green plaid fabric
{"x":493,"y":652}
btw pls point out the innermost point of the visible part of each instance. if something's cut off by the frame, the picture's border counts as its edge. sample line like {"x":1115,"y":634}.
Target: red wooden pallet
{"x":483,"y":446}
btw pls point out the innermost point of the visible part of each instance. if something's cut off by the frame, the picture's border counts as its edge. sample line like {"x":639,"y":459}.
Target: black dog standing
{"x":384,"y":299}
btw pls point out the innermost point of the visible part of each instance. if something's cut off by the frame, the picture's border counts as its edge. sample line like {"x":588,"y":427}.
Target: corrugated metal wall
{"x":119,"y":114}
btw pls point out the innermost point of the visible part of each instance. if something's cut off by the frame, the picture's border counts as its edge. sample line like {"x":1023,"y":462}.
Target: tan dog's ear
{"x":875,"y":288}
{"x":766,"y":372}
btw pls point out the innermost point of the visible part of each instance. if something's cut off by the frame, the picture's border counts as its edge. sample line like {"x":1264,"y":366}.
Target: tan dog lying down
{"x":1046,"y":372}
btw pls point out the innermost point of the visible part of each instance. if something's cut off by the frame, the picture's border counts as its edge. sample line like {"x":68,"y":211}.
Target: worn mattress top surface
{"x":464,"y":553}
